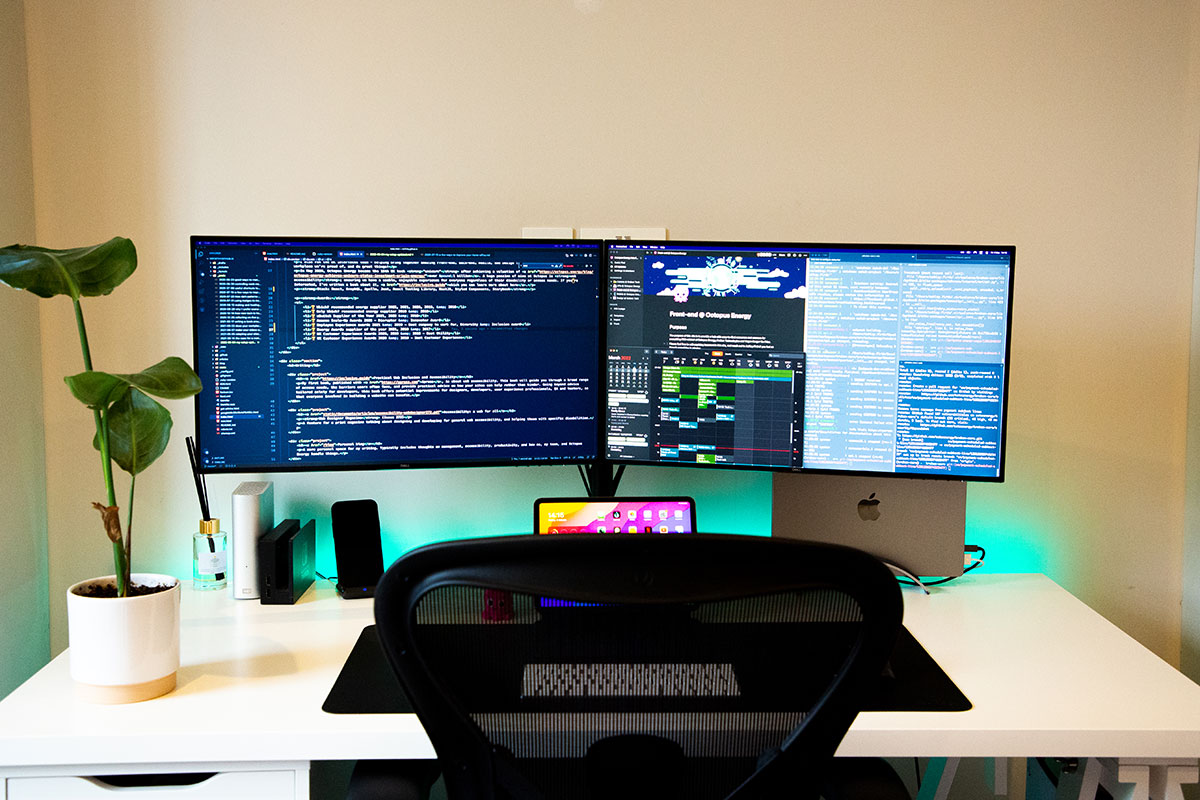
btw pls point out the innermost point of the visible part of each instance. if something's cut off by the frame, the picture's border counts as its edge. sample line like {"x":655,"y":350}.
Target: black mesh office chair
{"x":623,"y":666}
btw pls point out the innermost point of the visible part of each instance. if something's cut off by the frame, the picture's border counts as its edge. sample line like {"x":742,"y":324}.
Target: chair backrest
{"x":612,"y":665}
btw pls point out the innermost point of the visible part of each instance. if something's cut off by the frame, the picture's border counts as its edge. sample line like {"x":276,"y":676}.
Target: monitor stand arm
{"x":600,"y":479}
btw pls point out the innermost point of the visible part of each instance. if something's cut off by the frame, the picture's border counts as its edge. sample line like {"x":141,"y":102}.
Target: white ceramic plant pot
{"x":124,"y":649}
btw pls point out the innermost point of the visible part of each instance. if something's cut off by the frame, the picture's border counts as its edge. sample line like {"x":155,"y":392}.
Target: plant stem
{"x":101,"y":426}
{"x":83,"y":337}
{"x":120,"y":569}
{"x":129,"y":531}
{"x":120,"y":551}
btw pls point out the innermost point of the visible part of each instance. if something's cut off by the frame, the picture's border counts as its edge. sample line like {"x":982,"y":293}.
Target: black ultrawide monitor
{"x":352,"y":353}
{"x":869,"y":359}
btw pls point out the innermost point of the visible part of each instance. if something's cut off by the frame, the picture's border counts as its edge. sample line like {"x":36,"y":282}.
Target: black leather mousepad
{"x":913,"y":682}
{"x":366,"y":684}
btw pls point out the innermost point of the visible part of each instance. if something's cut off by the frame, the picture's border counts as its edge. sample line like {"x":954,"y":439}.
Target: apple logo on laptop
{"x":868,"y":508}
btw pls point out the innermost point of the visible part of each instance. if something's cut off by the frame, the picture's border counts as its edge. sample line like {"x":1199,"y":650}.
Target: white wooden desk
{"x":1046,"y":674}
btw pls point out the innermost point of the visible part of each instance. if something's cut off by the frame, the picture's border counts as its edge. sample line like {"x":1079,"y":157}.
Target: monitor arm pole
{"x":600,"y":479}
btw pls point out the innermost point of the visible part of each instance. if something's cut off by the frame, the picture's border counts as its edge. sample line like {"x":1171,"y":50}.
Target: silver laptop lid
{"x":915,"y":524}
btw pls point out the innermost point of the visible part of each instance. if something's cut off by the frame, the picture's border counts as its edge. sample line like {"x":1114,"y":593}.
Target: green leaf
{"x":138,"y":431}
{"x":170,"y":378}
{"x":95,"y":389}
{"x":76,"y":272}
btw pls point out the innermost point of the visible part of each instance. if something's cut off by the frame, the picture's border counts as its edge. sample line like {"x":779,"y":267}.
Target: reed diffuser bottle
{"x":209,"y":555}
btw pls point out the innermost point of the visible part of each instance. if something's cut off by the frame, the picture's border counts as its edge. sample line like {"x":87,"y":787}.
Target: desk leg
{"x":1176,"y":775}
{"x":1007,"y":776}
{"x":1093,"y":773}
{"x":1158,"y":779}
{"x":1093,"y":777}
{"x":939,"y":775}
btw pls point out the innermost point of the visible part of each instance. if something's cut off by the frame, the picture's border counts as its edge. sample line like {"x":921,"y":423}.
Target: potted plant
{"x":125,"y":613}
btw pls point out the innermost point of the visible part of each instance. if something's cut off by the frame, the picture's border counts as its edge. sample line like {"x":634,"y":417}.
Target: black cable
{"x":971,"y":548}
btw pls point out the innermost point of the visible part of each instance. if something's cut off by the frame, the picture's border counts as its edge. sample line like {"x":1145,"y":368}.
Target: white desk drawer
{"x":265,"y":785}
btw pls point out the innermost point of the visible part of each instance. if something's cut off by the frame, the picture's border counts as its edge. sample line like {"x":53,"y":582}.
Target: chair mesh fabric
{"x":562,"y":693}
{"x":613,"y":670}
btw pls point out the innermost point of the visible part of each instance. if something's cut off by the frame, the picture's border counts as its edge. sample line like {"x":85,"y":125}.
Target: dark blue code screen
{"x":325,"y":354}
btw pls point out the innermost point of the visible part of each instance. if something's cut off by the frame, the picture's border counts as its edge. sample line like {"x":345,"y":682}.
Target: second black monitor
{"x":858,"y":358}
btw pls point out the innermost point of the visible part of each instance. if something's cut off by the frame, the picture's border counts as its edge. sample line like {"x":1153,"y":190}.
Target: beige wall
{"x":24,"y":636}
{"x":1190,"y":645}
{"x":1068,"y":130}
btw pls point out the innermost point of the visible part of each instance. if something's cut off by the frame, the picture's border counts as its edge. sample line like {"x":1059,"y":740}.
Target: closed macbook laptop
{"x":913,"y":523}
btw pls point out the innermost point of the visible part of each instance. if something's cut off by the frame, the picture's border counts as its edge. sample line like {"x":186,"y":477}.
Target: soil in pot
{"x":110,"y":589}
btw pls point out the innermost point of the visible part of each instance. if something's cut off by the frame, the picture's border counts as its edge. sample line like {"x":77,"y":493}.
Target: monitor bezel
{"x":502,"y":241}
{"x":666,"y":244}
